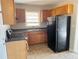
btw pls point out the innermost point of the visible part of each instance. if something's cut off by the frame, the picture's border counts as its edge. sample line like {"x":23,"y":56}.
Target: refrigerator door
{"x":51,"y":32}
{"x":51,"y":36}
{"x":61,"y":31}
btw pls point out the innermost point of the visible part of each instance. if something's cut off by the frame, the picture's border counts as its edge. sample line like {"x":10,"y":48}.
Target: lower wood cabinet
{"x":16,"y":49}
{"x":37,"y":37}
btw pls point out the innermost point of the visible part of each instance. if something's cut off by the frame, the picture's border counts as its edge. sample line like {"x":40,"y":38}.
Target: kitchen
{"x":26,"y":37}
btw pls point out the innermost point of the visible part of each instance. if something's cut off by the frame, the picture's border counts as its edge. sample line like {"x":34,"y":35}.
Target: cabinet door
{"x":0,"y":6}
{"x":46,"y":14}
{"x":70,"y":8}
{"x":20,"y":15}
{"x":8,"y":12}
{"x":16,"y":50}
{"x":53,"y":12}
{"x":1,"y":20}
{"x":66,"y":9}
{"x":61,"y":10}
{"x":37,"y":37}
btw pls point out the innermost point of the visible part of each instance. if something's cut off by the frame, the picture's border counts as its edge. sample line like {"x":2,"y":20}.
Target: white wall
{"x":77,"y":32}
{"x":32,"y":7}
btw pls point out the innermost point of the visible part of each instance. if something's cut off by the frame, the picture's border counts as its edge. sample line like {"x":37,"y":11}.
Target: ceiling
{"x":38,"y":2}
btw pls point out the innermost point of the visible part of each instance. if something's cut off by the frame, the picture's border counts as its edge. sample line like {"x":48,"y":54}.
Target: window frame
{"x":39,"y":18}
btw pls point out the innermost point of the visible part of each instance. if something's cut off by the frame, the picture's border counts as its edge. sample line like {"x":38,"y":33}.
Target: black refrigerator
{"x":59,"y":33}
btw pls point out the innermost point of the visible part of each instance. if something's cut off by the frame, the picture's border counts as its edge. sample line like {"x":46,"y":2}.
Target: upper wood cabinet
{"x":0,"y":6}
{"x":20,"y":15}
{"x":66,"y":9}
{"x":46,"y":14}
{"x":53,"y":12}
{"x":8,"y":12}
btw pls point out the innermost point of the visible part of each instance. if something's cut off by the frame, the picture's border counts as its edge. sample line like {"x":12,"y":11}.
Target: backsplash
{"x":23,"y":26}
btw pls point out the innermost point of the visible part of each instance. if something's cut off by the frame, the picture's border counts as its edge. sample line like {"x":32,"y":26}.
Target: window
{"x":32,"y":18}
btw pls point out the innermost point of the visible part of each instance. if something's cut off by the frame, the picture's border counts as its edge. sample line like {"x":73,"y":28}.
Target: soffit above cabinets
{"x":38,"y":2}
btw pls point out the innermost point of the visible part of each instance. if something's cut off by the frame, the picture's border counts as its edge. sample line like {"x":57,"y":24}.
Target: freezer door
{"x":61,"y":31}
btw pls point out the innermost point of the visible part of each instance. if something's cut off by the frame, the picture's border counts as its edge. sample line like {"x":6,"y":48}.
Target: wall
{"x":73,"y":21}
{"x":28,"y":8}
{"x":3,"y":28}
{"x":77,"y":32}
{"x":32,"y":7}
{"x":3,"y":52}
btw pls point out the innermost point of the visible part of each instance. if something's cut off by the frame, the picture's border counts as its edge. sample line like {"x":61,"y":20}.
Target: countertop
{"x":28,"y":30}
{"x":19,"y":34}
{"x":17,"y":37}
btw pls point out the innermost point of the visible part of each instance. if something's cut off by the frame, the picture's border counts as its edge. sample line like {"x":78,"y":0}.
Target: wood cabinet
{"x":20,"y":15}
{"x":66,"y":9}
{"x":46,"y":14}
{"x":17,"y":49}
{"x":0,"y":6}
{"x":8,"y":11}
{"x":53,"y":12}
{"x":37,"y":37}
